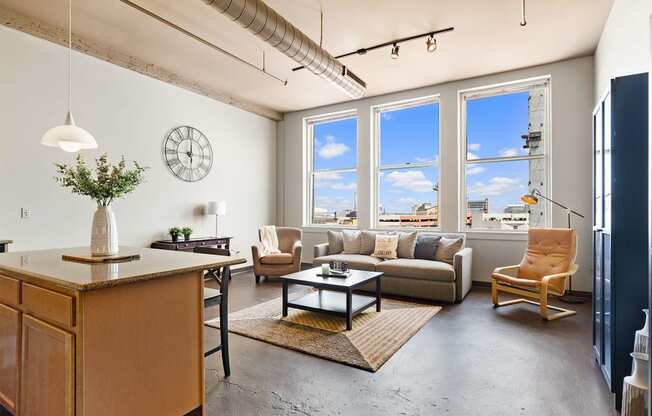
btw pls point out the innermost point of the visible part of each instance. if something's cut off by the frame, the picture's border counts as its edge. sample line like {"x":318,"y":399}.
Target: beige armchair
{"x":286,"y":262}
{"x":548,"y":262}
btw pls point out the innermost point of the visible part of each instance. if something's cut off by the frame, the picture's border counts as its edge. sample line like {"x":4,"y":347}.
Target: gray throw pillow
{"x":335,"y":243}
{"x":426,"y":246}
{"x":352,"y":240}
{"x":447,"y":248}
{"x":368,"y":242}
{"x":406,"y":245}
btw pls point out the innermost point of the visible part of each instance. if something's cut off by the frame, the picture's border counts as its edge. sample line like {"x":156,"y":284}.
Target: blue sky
{"x":411,"y":135}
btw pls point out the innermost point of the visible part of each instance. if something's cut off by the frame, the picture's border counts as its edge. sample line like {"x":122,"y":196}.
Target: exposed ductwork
{"x":264,"y":22}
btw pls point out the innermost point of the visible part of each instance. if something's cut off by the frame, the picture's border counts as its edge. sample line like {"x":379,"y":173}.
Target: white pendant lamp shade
{"x":69,"y":137}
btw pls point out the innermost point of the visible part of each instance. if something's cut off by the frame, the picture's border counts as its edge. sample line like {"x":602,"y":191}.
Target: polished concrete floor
{"x":468,"y":360}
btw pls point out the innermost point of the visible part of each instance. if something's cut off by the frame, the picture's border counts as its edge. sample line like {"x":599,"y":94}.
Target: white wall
{"x":572,"y":99}
{"x":624,"y":47}
{"x":128,"y":114}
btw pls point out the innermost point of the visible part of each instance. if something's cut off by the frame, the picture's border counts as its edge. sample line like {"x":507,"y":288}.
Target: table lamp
{"x":218,"y":209}
{"x":533,"y":199}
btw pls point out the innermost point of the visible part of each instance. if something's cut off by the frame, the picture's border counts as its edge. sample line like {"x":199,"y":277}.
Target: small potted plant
{"x":174,"y":232}
{"x":187,"y":232}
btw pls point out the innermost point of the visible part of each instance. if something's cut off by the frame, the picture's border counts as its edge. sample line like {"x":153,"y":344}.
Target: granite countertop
{"x":48,"y":266}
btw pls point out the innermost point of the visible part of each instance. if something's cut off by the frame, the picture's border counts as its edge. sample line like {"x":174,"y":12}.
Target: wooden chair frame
{"x":544,"y":289}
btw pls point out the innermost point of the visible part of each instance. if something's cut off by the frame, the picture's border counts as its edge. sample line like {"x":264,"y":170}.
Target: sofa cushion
{"x":426,"y":246}
{"x":335,"y":243}
{"x":355,"y":261}
{"x":368,"y":242}
{"x":447,"y":248}
{"x":418,"y":269}
{"x":352,"y":240}
{"x":386,"y":246}
{"x":280,"y":258}
{"x":406,"y":245}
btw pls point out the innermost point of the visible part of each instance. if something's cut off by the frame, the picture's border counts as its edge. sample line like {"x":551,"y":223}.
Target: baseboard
{"x":578,"y":293}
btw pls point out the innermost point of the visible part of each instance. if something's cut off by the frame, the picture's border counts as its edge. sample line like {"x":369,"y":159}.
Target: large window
{"x":407,"y":164}
{"x":332,"y":170}
{"x":504,"y":140}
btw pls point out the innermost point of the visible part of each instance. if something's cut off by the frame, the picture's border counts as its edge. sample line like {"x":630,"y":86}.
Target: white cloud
{"x":386,"y":115}
{"x":343,"y":186}
{"x":471,"y":155}
{"x":422,"y":159}
{"x":474,"y":169}
{"x":407,"y":201}
{"x":332,"y":148}
{"x":413,"y":180}
{"x":327,"y":176}
{"x":509,"y":152}
{"x":473,"y":146}
{"x":497,"y":186}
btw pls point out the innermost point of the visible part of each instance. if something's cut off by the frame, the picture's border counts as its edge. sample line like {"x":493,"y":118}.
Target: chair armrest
{"x":570,"y":272}
{"x":255,"y":255}
{"x":320,"y":250}
{"x":296,"y":252}
{"x":509,"y":271}
{"x":463,"y":267}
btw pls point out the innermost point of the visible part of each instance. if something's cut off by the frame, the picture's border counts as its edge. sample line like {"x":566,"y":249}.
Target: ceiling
{"x":487,"y":39}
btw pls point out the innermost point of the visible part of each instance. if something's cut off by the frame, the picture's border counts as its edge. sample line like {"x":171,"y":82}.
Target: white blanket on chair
{"x":269,"y":240}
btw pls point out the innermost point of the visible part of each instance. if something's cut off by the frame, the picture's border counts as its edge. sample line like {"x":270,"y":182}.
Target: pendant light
{"x":68,"y":136}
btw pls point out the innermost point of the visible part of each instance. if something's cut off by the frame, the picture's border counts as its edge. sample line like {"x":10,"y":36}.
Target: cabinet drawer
{"x":49,"y":305}
{"x":9,"y":290}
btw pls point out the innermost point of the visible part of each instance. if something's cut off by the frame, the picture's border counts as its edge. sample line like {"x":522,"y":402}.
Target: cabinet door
{"x":47,"y":375}
{"x":9,"y":357}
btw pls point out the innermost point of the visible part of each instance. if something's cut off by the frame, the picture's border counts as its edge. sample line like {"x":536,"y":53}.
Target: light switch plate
{"x":25,"y":213}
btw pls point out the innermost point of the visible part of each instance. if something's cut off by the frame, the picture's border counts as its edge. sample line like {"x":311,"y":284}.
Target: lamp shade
{"x":216,"y":208}
{"x":69,"y":137}
{"x":530,"y":199}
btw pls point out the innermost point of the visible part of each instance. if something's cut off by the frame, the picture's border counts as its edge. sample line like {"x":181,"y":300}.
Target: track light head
{"x":395,"y":49}
{"x":431,"y":44}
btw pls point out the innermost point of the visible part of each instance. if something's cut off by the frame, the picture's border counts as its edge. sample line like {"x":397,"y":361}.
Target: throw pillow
{"x":386,"y":246}
{"x":447,"y":248}
{"x":335,"y":243}
{"x":351,"y":240}
{"x":368,"y":242}
{"x":406,"y":244}
{"x":426,"y":246}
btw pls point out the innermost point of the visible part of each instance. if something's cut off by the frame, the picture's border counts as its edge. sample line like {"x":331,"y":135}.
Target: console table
{"x":221,"y":244}
{"x":4,"y":245}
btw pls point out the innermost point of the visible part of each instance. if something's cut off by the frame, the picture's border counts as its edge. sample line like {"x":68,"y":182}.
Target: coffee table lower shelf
{"x":333,"y":303}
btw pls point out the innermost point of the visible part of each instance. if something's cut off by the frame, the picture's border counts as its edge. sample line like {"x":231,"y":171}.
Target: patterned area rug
{"x":375,"y":336}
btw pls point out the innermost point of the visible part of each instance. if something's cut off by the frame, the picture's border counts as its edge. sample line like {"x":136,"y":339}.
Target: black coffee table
{"x":335,"y":295}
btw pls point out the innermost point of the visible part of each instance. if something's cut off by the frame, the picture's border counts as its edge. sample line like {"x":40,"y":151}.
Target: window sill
{"x":496,"y":235}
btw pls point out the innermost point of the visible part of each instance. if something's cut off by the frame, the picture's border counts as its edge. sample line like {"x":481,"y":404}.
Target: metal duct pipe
{"x":264,"y":22}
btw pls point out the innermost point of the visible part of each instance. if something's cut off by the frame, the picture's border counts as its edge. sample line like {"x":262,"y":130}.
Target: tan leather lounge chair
{"x":548,"y":262}
{"x":286,"y":262}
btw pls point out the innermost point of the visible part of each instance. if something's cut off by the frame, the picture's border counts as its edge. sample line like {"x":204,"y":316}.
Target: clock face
{"x":188,"y":154}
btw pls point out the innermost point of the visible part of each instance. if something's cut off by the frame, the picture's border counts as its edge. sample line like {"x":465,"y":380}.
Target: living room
{"x":301,"y":207}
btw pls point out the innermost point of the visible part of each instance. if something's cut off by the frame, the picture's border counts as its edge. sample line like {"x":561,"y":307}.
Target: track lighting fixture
{"x":395,"y":49}
{"x":431,"y":44}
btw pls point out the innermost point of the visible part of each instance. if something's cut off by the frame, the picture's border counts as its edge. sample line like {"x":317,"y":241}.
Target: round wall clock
{"x":188,"y":153}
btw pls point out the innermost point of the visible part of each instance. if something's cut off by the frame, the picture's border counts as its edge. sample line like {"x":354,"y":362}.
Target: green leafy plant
{"x":186,"y":231}
{"x":174,"y":232}
{"x":104,"y":183}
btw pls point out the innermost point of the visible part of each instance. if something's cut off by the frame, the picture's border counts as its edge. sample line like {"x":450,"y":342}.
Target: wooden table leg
{"x":285,"y":298}
{"x":349,"y":302}
{"x":378,"y":294}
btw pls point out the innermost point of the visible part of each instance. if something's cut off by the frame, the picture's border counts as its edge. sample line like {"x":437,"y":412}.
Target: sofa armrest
{"x":296,"y":253}
{"x":463,"y":267}
{"x":320,"y":250}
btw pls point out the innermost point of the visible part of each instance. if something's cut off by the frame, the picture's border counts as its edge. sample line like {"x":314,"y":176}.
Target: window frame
{"x":309,"y":162}
{"x":544,"y":82}
{"x":375,"y":115}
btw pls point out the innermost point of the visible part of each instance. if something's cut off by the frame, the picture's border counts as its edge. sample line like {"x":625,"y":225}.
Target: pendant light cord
{"x":69,"y":55}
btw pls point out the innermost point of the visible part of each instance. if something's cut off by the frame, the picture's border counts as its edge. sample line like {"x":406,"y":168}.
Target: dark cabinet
{"x":620,"y":225}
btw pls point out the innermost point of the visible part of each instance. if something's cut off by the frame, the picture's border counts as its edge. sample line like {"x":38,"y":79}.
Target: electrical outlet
{"x":25,"y":213}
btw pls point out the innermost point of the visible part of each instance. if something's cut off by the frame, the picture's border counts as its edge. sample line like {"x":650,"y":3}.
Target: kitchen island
{"x":81,"y":339}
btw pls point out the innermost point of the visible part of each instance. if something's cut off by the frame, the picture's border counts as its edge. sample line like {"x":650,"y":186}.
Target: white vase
{"x":641,"y":336}
{"x":104,"y":234}
{"x":639,"y":372}
{"x":635,"y":388}
{"x":645,"y":329}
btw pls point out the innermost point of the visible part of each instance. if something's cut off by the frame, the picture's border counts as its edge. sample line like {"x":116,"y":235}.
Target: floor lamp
{"x":218,"y":209}
{"x":533,"y":199}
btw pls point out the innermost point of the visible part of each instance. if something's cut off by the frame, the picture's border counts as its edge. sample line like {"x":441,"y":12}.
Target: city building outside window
{"x":332,"y":175}
{"x":407,"y":164}
{"x":504,"y":141}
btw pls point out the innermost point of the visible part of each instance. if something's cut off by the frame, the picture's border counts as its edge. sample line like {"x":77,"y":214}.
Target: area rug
{"x":375,"y":336}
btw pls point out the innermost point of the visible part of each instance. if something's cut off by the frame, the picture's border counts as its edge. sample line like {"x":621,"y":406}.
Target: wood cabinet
{"x":47,"y":374}
{"x":9,"y":357}
{"x":620,"y":195}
